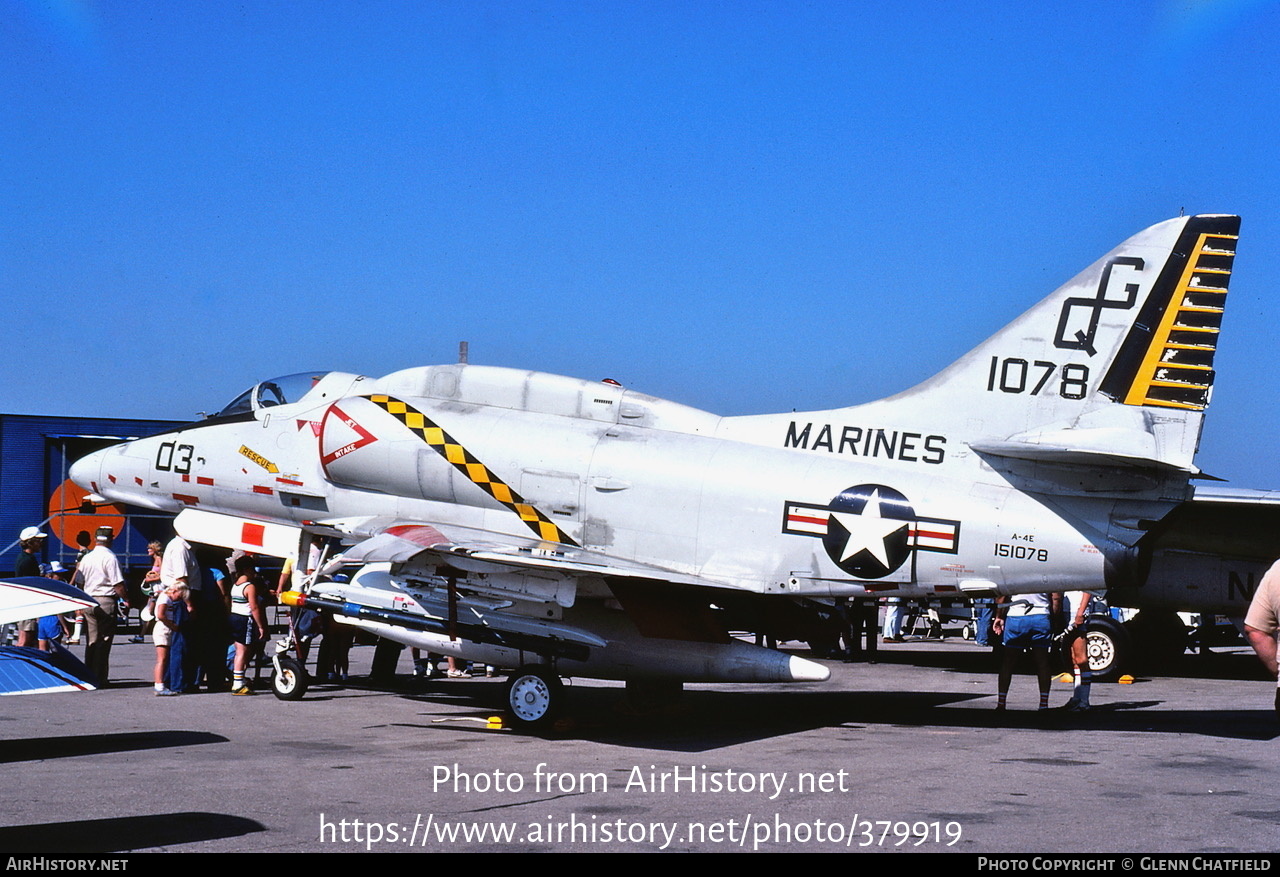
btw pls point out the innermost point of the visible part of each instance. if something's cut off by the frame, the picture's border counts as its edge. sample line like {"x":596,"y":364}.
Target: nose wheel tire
{"x":290,"y":680}
{"x":534,"y":695}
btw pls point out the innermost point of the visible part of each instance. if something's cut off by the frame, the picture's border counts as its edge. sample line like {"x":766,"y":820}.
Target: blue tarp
{"x":31,"y":671}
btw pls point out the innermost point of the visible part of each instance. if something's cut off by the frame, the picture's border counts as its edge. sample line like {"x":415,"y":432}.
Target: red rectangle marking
{"x":807,"y":519}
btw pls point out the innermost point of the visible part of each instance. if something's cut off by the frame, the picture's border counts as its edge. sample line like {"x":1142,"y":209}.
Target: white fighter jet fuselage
{"x":795,"y":504}
{"x":1052,"y":457}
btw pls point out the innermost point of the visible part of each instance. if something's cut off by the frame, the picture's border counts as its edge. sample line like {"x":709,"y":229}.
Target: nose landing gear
{"x":535,"y":695}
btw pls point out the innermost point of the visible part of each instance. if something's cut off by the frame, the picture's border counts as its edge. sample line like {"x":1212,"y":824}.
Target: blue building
{"x":35,"y":454}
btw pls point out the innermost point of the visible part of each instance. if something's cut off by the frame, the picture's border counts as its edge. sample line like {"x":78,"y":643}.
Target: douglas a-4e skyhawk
{"x":574,"y":527}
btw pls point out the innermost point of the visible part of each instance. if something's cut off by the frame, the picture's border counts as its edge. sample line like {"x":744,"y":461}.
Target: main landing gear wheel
{"x":534,"y":695}
{"x":290,"y":680}
{"x":1106,"y":646}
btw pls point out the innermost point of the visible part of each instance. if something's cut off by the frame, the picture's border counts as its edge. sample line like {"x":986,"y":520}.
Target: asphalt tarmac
{"x":907,"y":753}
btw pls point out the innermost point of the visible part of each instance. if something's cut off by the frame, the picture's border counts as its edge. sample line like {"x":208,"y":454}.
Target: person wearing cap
{"x":100,"y":575}
{"x":31,"y":541}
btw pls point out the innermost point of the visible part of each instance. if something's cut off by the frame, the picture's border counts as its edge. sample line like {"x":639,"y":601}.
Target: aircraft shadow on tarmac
{"x":708,"y":720}
{"x":44,"y":748}
{"x":126,"y":833}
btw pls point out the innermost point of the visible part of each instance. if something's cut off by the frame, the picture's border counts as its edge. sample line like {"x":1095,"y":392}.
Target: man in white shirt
{"x":178,"y":565}
{"x":100,"y":575}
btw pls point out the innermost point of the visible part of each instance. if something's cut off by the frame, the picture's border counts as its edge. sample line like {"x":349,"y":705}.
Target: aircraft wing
{"x":1236,"y":495}
{"x":388,"y":540}
{"x":1207,"y":554}
{"x":401,"y":542}
{"x":1224,"y":521}
{"x":34,"y":597}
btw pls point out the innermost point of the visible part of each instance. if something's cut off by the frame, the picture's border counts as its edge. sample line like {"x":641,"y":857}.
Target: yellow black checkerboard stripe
{"x":477,"y":472}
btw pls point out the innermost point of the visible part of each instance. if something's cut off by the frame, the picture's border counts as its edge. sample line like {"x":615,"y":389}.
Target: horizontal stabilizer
{"x":1041,"y":452}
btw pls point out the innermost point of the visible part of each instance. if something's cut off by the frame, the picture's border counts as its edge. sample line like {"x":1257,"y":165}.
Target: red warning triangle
{"x":340,"y":435}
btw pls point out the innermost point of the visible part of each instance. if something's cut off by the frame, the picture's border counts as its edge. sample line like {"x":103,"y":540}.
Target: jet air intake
{"x":363,"y":445}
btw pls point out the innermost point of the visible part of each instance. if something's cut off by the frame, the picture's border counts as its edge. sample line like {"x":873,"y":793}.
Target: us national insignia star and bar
{"x":870,"y":530}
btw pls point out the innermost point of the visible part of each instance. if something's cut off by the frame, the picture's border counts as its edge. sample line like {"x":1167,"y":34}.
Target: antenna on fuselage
{"x":462,"y":352}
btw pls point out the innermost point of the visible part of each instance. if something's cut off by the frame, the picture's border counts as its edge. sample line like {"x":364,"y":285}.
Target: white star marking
{"x":868,"y":531}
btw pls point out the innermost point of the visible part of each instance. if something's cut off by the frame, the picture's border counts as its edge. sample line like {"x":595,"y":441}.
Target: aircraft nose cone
{"x":87,"y":471}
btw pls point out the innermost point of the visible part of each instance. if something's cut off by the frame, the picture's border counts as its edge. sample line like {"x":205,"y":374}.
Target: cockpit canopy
{"x":276,"y":391}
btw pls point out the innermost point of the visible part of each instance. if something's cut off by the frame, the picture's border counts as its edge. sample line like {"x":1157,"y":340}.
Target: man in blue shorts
{"x":1026,"y":626}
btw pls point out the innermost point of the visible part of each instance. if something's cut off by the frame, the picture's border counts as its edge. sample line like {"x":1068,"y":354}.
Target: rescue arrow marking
{"x":259,"y":459}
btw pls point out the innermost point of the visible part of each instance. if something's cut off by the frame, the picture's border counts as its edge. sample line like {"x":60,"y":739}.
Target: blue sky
{"x":745,"y":206}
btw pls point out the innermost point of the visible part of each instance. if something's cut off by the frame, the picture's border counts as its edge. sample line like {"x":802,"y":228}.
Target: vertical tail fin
{"x":1115,"y":366}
